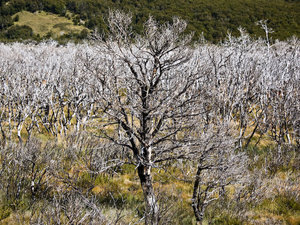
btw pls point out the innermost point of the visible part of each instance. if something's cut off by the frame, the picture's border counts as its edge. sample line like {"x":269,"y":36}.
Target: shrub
{"x":19,"y":32}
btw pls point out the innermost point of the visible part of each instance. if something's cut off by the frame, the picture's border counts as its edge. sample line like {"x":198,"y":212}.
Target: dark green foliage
{"x":5,"y":21}
{"x":19,"y":32}
{"x":84,"y":34}
{"x":17,"y":18}
{"x":212,"y":18}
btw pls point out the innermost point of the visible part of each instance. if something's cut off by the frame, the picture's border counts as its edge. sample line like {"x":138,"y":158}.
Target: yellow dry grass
{"x":43,"y":22}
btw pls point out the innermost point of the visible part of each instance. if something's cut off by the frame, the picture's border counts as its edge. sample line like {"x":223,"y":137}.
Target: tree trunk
{"x":151,"y":206}
{"x":19,"y":129}
{"x":198,"y":210}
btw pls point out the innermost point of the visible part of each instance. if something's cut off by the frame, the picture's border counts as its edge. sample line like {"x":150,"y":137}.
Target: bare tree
{"x":149,"y":92}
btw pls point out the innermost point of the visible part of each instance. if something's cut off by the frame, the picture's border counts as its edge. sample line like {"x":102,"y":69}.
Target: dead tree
{"x":147,"y":88}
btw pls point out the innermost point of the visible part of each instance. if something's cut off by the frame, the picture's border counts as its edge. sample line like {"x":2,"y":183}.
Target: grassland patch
{"x":43,"y":23}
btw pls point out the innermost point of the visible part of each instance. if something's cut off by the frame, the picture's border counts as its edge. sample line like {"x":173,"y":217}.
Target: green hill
{"x":43,"y":23}
{"x":212,"y":18}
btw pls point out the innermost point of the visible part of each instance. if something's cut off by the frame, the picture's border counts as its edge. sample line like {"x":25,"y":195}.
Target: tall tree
{"x":149,"y":90}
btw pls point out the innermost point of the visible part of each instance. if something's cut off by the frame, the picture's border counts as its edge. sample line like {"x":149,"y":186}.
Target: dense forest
{"x":212,"y":18}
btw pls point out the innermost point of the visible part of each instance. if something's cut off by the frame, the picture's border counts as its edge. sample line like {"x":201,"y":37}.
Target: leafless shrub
{"x":25,"y":171}
{"x":68,"y":208}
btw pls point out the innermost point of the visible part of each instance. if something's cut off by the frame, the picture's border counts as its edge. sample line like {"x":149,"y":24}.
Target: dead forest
{"x":150,"y":129}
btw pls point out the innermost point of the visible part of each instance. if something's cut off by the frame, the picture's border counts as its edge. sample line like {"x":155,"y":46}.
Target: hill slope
{"x":43,"y":23}
{"x":212,"y":18}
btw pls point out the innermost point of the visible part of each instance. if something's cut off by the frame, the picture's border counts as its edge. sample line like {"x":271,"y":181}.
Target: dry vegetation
{"x":43,"y":23}
{"x":131,"y":129}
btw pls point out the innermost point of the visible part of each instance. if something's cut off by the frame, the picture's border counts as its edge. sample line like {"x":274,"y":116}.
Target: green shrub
{"x":4,"y":212}
{"x":286,"y":205}
{"x":19,"y":32}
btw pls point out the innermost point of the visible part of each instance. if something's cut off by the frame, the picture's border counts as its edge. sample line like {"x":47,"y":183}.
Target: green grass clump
{"x":5,"y":212}
{"x":225,"y":219}
{"x":282,"y":205}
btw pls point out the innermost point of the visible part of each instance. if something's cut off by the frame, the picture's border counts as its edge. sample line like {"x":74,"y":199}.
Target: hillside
{"x":44,"y":24}
{"x":212,"y":18}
